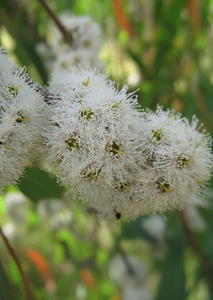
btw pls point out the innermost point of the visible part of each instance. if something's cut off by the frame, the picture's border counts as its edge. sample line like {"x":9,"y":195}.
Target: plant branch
{"x":12,"y":253}
{"x":48,"y":97}
{"x":66,"y":34}
{"x":126,"y":261}
{"x":193,"y":242}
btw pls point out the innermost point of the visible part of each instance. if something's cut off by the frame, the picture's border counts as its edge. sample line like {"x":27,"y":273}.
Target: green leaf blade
{"x":172,"y":285}
{"x":37,"y":184}
{"x":5,"y":289}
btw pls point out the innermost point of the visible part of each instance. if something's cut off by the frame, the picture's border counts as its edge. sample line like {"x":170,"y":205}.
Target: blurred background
{"x":164,"y":48}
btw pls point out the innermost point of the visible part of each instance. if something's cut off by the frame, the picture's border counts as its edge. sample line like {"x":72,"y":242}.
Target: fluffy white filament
{"x":22,"y":111}
{"x":121,"y":161}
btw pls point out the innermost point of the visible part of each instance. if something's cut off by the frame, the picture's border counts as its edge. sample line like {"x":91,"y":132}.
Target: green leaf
{"x":134,"y":229}
{"x":206,"y":88}
{"x":37,"y":184}
{"x":172,"y":285}
{"x":26,"y":54}
{"x":5,"y":289}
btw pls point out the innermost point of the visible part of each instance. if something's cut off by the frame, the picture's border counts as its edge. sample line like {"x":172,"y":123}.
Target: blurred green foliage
{"x":164,"y":48}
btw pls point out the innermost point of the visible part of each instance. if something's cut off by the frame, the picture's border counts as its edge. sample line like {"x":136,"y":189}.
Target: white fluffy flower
{"x":177,"y":160}
{"x":22,"y":111}
{"x":17,"y":206}
{"x":86,"y":33}
{"x":85,"y":48}
{"x":91,"y":139}
{"x":76,"y":57}
{"x":121,"y":161}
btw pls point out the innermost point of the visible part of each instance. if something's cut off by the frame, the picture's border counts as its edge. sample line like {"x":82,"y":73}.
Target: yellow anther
{"x":165,"y":188}
{"x":25,"y":120}
{"x":116,"y":105}
{"x":202,"y":143}
{"x":187,"y":162}
{"x":117,"y":151}
{"x":200,"y":182}
{"x":74,"y":144}
{"x":157,"y":133}
{"x":87,"y":82}
{"x":171,"y":205}
{"x":93,"y":176}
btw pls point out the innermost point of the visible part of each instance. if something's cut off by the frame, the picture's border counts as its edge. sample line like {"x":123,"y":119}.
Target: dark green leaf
{"x":172,"y":285}
{"x":5,"y":289}
{"x":37,"y":184}
{"x":134,"y":230}
{"x":206,"y":88}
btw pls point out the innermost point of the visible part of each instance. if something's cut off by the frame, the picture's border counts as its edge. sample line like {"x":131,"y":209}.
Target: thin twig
{"x":126,"y":261}
{"x":193,"y":242}
{"x":67,"y":35}
{"x":12,"y":253}
{"x":48,"y":97}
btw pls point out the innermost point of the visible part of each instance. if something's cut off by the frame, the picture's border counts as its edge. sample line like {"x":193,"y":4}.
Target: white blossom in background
{"x":195,"y":220}
{"x":155,"y":226}
{"x":56,"y":211}
{"x":22,"y":111}
{"x":136,"y":293}
{"x":48,"y":207}
{"x":11,"y":231}
{"x":132,"y":280}
{"x":76,"y":57}
{"x":86,"y":33}
{"x":133,"y":270}
{"x":87,"y":42}
{"x":17,"y":206}
{"x":121,"y":161}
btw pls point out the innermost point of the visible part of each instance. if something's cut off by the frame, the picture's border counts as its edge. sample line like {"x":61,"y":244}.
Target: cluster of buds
{"x":121,"y":160}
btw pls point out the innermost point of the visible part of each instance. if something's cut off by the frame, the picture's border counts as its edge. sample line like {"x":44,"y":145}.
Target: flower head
{"x":22,"y":111}
{"x":85,"y":48}
{"x":121,"y":161}
{"x":91,"y":137}
{"x":177,"y":160}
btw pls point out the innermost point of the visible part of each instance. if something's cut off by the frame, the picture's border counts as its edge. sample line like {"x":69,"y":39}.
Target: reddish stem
{"x":12,"y":253}
{"x":67,"y":35}
{"x":206,"y":265}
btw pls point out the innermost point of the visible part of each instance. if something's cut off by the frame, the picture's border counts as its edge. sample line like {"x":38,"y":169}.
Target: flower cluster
{"x":22,"y":111}
{"x":176,"y":157}
{"x":92,"y":132}
{"x":122,"y":161}
{"x":87,"y":42}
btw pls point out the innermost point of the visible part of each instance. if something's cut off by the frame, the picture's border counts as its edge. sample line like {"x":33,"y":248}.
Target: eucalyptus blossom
{"x":22,"y":115}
